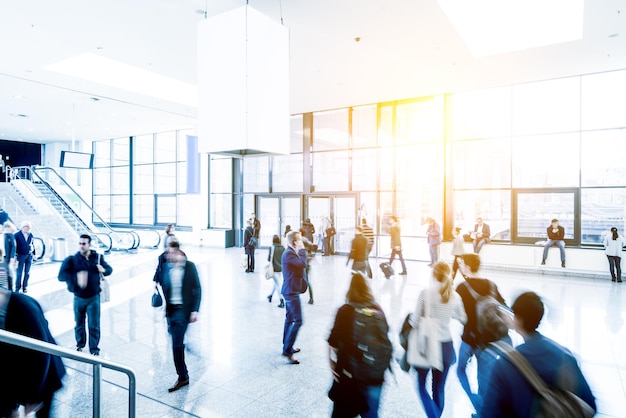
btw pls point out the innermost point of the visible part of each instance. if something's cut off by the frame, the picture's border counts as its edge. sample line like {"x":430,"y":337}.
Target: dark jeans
{"x":178,"y":321}
{"x":393,"y":256}
{"x":434,"y":406}
{"x":250,"y":252}
{"x":23,"y":264}
{"x":89,"y":307}
{"x":372,"y":398}
{"x":615,"y":263}
{"x":293,"y":322}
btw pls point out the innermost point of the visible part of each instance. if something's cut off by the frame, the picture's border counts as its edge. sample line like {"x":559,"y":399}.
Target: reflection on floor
{"x":233,"y":352}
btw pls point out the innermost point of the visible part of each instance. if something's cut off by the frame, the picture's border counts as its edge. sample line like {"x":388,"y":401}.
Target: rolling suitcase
{"x":387,"y":270}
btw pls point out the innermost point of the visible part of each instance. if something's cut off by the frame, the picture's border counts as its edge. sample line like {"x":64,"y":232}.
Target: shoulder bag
{"x":105,"y":291}
{"x":269,"y":269}
{"x":157,"y":300}
{"x":424,"y":349}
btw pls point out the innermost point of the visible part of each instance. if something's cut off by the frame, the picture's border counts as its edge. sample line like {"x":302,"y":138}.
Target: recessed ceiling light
{"x":18,"y":115}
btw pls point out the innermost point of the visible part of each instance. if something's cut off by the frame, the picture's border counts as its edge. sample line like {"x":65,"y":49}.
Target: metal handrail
{"x":97,"y":362}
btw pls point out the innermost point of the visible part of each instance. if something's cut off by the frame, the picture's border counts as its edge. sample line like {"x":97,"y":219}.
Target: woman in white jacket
{"x":613,"y":245}
{"x":441,"y":302}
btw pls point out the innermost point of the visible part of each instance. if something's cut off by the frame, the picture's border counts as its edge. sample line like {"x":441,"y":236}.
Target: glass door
{"x":275,"y":213}
{"x":342,"y":211}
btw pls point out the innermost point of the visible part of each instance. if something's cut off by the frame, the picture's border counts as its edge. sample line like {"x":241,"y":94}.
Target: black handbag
{"x":157,"y":300}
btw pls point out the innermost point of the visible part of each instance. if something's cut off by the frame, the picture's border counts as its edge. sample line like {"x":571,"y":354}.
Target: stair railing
{"x":97,"y":362}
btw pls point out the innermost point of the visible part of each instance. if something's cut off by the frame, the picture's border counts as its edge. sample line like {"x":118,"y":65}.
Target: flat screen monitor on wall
{"x":70,"y":159}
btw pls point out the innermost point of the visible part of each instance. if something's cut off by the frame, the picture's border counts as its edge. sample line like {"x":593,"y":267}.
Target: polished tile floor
{"x":233,"y":351}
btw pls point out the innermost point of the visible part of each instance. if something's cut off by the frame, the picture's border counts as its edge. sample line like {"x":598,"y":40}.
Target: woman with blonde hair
{"x":443,"y":304}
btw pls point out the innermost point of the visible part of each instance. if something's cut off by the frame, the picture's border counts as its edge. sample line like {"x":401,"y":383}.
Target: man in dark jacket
{"x":472,"y":342}
{"x":179,"y":280}
{"x":24,"y":252}
{"x":294,"y":264}
{"x":27,"y":377}
{"x":81,"y":272}
{"x":556,"y":236}
{"x":9,"y":252}
{"x":358,"y":252}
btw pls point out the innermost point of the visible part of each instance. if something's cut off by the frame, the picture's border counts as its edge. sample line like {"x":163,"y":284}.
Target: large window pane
{"x":166,"y":183}
{"x":330,"y":171}
{"x":546,"y":161}
{"x":143,"y":179}
{"x":143,"y":209}
{"x":121,"y":152}
{"x":188,"y":213}
{"x":256,"y":178}
{"x":330,"y":130}
{"x":536,"y":210}
{"x":480,"y":114}
{"x":494,"y":206}
{"x":603,"y":158}
{"x":482,"y":164}
{"x":364,"y":126}
{"x":604,"y":100}
{"x":143,"y":149}
{"x":385,"y":128}
{"x":120,"y":180}
{"x":165,"y":147}
{"x":419,"y":167}
{"x":120,"y":209}
{"x":182,"y":144}
{"x":413,"y":207}
{"x":102,"y":206}
{"x":387,"y":164}
{"x":546,"y":107}
{"x":287,"y":171}
{"x":220,"y":176}
{"x":364,"y":172}
{"x":602,"y":209}
{"x":102,"y":181}
{"x":419,"y":121}
{"x":102,"y":153}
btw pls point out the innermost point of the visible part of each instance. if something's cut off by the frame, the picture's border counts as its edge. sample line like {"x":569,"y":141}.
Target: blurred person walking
{"x":24,"y":249}
{"x":169,"y":234}
{"x":433,"y":234}
{"x":457,"y":249}
{"x":613,"y":247}
{"x":396,"y":243}
{"x":443,"y":304}
{"x":180,"y":283}
{"x":275,"y":256}
{"x":81,"y":272}
{"x":10,"y":260}
{"x":357,"y":385}
{"x":358,"y":252}
{"x":250,"y":243}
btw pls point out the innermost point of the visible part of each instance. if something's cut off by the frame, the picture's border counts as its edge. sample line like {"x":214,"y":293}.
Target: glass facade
{"x":517,"y":156}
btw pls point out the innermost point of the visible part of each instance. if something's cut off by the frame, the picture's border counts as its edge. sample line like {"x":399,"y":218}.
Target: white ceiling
{"x":407,"y":48}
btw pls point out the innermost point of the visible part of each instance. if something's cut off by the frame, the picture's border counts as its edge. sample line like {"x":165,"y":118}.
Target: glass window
{"x":296,"y":140}
{"x":364,"y":126}
{"x":364,"y":172}
{"x":120,"y":209}
{"x":419,"y":121}
{"x":414,"y":206}
{"x":385,"y":129}
{"x":256,"y":176}
{"x":188,"y":213}
{"x":182,"y":144}
{"x":481,"y":164}
{"x":181,"y":168}
{"x":143,"y":209}
{"x":166,"y":209}
{"x":287,"y":173}
{"x":143,"y":179}
{"x":102,"y":153}
{"x":603,"y":155}
{"x":604,"y":100}
{"x":143,"y":149}
{"x":102,"y":206}
{"x":494,"y":206}
{"x":220,"y":177}
{"x":102,"y":181}
{"x":165,"y":147}
{"x":536,"y":210}
{"x":546,"y":106}
{"x":480,"y":114}
{"x":546,"y":161}
{"x":387,"y":164}
{"x":600,"y":210}
{"x":120,"y":181}
{"x":121,"y":152}
{"x":221,"y":210}
{"x":419,"y":167}
{"x":330,"y":130}
{"x":166,"y":174}
{"x":330,"y":171}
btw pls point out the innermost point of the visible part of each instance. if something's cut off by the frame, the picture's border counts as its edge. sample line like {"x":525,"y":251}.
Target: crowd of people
{"x":357,"y":374}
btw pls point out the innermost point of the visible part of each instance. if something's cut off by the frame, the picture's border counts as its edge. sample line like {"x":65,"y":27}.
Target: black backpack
{"x":372,"y":350}
{"x":493,"y":319}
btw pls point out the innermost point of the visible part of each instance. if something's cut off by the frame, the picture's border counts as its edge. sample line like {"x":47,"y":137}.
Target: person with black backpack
{"x":564,"y":391}
{"x":472,"y":340}
{"x":360,"y":352}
